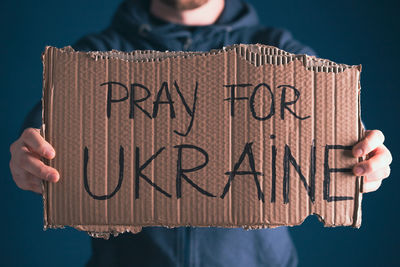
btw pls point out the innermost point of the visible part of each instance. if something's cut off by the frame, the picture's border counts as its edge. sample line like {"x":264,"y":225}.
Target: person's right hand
{"x":26,"y":167}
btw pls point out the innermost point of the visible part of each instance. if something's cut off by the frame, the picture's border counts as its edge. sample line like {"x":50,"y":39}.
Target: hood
{"x":134,"y":22}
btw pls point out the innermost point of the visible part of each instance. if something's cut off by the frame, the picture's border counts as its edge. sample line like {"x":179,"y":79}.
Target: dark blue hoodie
{"x":134,"y":28}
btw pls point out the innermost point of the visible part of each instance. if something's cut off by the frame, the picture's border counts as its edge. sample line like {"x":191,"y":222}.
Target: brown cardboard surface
{"x":247,"y":136}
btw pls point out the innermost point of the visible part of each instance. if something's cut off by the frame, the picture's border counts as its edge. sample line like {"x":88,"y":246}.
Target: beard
{"x":184,"y":4}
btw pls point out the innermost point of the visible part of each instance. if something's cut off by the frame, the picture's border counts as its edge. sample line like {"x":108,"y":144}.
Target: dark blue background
{"x":351,"y":32}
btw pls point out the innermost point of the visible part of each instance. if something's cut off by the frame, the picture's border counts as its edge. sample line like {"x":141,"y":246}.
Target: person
{"x":184,"y":25}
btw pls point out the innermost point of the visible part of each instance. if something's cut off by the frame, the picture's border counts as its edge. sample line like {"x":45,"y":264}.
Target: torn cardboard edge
{"x":257,"y":55}
{"x":106,"y":231}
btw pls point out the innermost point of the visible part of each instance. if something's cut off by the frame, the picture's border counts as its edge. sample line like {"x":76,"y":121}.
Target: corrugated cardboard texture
{"x":247,"y":136}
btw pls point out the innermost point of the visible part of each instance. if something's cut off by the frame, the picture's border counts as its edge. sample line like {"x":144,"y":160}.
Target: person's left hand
{"x":378,"y":158}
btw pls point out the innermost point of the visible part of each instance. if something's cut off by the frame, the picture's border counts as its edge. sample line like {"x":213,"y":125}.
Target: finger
{"x":372,"y":140}
{"x":37,"y":189}
{"x":36,"y":143}
{"x":381,"y":159}
{"x":19,"y":176}
{"x":34,"y":183}
{"x":35,"y":166}
{"x":26,"y":181}
{"x":378,"y":175}
{"x":33,"y":180}
{"x":371,"y":186}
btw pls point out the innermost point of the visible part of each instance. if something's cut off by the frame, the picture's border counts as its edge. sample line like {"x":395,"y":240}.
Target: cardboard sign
{"x":247,"y":136}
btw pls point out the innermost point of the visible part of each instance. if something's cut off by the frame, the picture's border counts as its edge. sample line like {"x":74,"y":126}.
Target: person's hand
{"x":378,"y":158}
{"x":26,"y":167}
